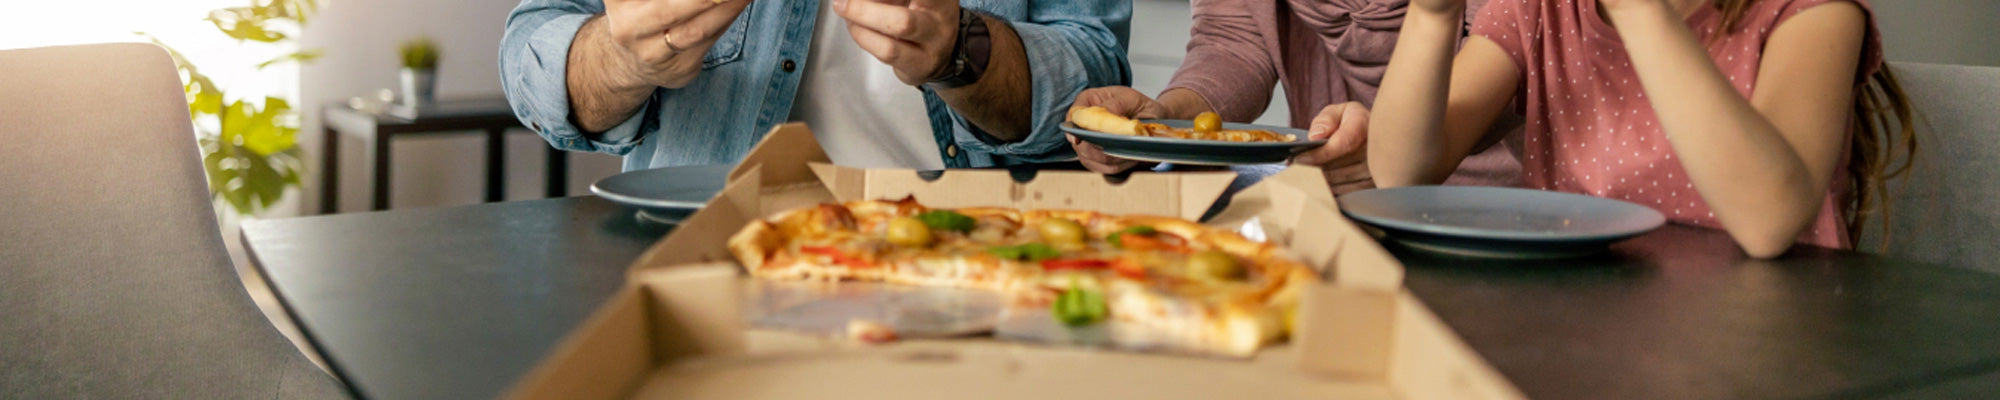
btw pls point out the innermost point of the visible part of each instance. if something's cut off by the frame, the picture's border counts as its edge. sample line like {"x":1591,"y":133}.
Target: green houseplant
{"x":249,"y":149}
{"x":420,"y":58}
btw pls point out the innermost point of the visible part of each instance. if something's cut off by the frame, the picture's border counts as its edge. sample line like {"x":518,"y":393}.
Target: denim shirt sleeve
{"x":1071,"y":46}
{"x":534,"y":60}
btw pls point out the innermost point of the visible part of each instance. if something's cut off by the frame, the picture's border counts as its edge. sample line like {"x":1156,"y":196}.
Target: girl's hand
{"x":1344,"y":157}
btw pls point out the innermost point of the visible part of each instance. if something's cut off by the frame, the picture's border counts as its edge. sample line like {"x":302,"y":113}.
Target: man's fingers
{"x":706,"y":27}
{"x":638,"y":19}
{"x":671,"y":13}
{"x":891,"y":20}
{"x":681,"y":68}
{"x":1149,"y":109}
{"x":1094,"y":159}
{"x":887,"y":49}
{"x":1120,"y":100}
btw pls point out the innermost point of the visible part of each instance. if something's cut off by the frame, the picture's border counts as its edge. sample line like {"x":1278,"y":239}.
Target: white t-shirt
{"x":858,"y":110}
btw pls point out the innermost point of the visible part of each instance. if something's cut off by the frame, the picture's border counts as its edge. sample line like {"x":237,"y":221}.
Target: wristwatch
{"x":969,"y":54}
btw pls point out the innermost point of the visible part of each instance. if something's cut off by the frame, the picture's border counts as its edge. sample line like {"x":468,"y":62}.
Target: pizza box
{"x":676,"y":331}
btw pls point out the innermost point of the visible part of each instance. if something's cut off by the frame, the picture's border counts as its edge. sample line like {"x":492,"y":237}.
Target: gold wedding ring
{"x":668,"y":37}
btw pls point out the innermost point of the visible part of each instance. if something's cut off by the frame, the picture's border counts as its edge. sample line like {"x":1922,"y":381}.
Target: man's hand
{"x":1344,"y":157}
{"x":663,"y":41}
{"x":914,"y":37}
{"x":619,"y":58}
{"x":1120,"y":100}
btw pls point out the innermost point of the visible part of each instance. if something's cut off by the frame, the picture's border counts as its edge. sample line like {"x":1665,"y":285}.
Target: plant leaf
{"x":264,"y":182}
{"x":244,"y":23}
{"x":301,"y":56}
{"x":236,"y":119}
{"x":266,"y":134}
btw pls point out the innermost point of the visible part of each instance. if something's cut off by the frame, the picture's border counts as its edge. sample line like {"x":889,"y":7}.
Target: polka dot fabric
{"x":1590,"y":128}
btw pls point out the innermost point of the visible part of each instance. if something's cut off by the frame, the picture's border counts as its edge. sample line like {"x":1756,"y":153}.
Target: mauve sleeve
{"x":1227,"y":61}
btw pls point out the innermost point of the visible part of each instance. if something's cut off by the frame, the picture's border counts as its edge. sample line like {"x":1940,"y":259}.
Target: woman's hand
{"x":1120,"y":100}
{"x":1344,"y":157}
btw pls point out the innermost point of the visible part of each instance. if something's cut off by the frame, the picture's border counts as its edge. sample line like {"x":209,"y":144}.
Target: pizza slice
{"x":1202,"y":288}
{"x":1205,"y":126}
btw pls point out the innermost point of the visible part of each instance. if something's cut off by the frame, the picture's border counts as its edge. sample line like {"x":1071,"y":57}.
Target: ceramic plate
{"x":1197,"y":152}
{"x":1499,"y":222}
{"x":664,"y":194}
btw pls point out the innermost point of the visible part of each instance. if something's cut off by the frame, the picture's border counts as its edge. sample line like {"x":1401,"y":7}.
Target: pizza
{"x":1196,"y":286}
{"x":1206,"y":126}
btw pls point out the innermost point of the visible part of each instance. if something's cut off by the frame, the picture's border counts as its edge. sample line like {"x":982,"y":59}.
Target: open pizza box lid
{"x":676,"y":331}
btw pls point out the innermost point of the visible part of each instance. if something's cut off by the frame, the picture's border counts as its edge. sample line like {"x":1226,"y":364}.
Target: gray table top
{"x":446,"y":303}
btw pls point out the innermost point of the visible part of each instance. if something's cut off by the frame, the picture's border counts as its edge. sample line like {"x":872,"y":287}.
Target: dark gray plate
{"x":1499,"y":222}
{"x":664,"y":194}
{"x":1198,"y":152}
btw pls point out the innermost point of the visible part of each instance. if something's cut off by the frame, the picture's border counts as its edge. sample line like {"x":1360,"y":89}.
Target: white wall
{"x":1940,"y":31}
{"x":360,"y":39}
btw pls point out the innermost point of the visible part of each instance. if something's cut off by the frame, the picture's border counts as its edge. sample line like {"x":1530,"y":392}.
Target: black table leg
{"x":329,"y":172}
{"x":496,"y":165}
{"x":381,"y":151}
{"x":558,"y":185}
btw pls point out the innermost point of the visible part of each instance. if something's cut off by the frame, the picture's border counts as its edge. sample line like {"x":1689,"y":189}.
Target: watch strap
{"x":970,"y":53}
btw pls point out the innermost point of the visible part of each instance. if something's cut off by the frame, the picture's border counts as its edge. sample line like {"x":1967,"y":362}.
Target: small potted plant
{"x":420,"y":58}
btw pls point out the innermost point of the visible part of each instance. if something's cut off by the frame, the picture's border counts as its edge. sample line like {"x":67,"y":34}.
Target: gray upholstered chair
{"x":114,"y":282}
{"x":1948,"y":209}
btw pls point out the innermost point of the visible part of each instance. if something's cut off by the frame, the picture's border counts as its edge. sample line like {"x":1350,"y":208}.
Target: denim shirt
{"x":750,"y":75}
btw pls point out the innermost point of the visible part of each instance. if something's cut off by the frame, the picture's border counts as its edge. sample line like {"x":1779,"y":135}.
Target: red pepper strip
{"x":837,"y":256}
{"x":1129,"y":269}
{"x":1074,"y":263}
{"x":1160,"y":241}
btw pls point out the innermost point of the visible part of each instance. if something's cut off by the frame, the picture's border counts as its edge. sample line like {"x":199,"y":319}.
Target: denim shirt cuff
{"x":1056,"y":78}
{"x":539,"y":91}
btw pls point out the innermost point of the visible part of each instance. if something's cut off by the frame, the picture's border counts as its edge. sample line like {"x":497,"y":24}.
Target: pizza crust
{"x":1102,"y":120}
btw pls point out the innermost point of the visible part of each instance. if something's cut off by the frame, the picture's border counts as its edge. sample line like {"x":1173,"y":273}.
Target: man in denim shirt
{"x":689,"y":82}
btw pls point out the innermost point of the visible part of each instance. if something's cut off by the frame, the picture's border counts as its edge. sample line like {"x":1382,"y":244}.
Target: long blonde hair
{"x":1884,"y":134}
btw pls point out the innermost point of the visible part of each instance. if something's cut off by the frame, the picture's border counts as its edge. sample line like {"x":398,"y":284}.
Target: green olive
{"x":909,"y":231}
{"x":1290,"y":318}
{"x":1061,"y":231}
{"x":1207,"y":122}
{"x":1215,"y":264}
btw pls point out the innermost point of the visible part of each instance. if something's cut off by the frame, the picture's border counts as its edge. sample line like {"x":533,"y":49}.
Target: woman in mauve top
{"x":1754,"y":116}
{"x":1326,"y":53}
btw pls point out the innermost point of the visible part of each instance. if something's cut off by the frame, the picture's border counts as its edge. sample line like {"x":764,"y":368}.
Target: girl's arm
{"x":1762,"y":164}
{"x":1432,"y":109}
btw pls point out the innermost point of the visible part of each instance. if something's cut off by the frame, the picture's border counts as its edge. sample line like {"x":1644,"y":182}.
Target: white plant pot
{"x":419,"y":86}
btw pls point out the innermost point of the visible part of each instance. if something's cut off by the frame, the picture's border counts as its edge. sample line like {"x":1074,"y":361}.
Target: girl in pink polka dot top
{"x":1753,"y":116}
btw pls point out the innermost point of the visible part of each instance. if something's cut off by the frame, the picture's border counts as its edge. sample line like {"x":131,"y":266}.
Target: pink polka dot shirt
{"x":1590,"y":128}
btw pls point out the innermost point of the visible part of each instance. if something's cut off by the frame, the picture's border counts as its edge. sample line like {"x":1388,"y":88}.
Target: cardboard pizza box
{"x":676,"y":330}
